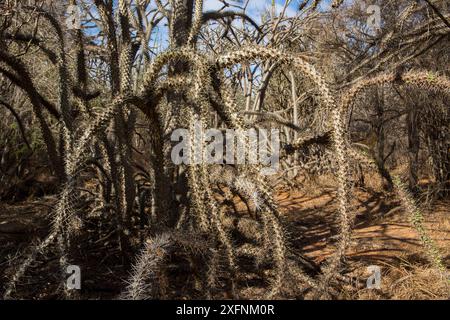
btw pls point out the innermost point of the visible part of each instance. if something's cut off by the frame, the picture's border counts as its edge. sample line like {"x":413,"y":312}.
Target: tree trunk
{"x":380,"y":145}
{"x":181,"y":22}
{"x":413,"y":148}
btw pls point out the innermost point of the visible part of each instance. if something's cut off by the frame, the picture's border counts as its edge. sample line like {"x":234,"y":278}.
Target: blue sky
{"x":255,"y":7}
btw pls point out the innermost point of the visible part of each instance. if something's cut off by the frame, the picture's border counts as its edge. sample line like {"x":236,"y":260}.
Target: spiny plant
{"x":197,"y":175}
{"x":180,"y":87}
{"x":203,"y":206}
{"x":423,"y":80}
